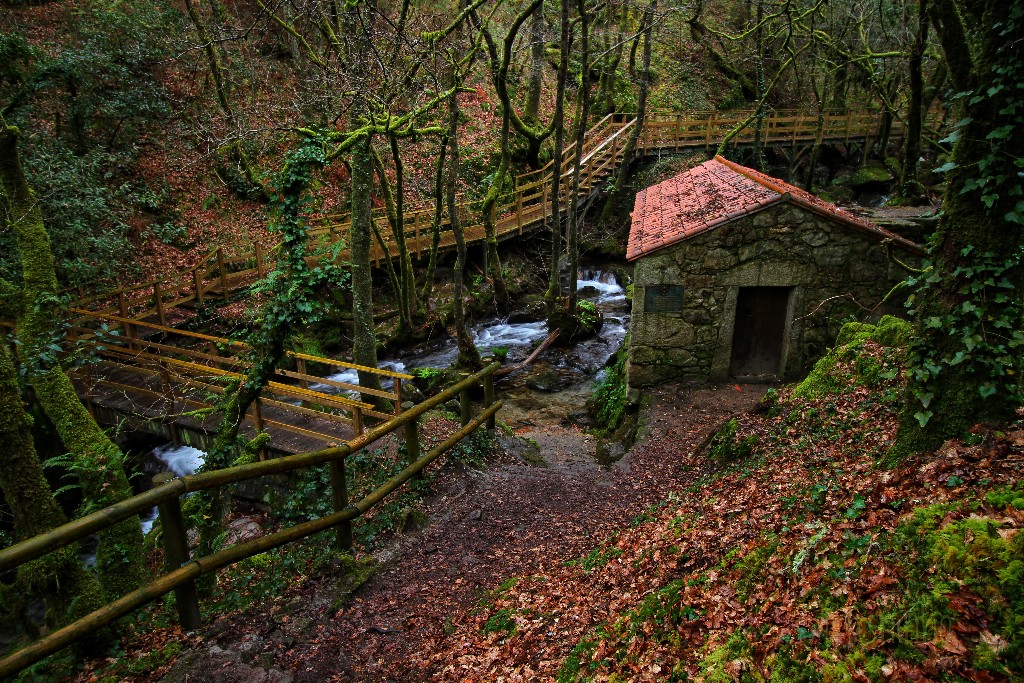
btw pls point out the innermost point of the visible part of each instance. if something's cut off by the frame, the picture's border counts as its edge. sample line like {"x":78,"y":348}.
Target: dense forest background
{"x":138,"y":136}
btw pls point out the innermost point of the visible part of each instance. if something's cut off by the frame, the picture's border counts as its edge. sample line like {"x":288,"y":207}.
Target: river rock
{"x":519,"y":317}
{"x":870,"y":178}
{"x":545,"y":380}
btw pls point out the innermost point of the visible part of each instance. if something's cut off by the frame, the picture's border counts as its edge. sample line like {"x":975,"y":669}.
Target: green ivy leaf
{"x":923,"y":417}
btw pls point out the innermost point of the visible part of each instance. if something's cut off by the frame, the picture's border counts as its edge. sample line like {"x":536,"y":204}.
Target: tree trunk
{"x":435,"y":224}
{"x":644,"y":79}
{"x":469,"y":357}
{"x":120,"y":557}
{"x":966,"y":359}
{"x":552,"y":298}
{"x":573,"y":223}
{"x":909,"y":188}
{"x":364,"y":338}
{"x":531,"y":114}
{"x":67,"y":589}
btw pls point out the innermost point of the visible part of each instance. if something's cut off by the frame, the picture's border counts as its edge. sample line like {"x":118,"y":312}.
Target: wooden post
{"x":158,"y":299}
{"x":339,"y":501}
{"x":357,"y":421}
{"x":259,"y":260}
{"x":129,"y":330}
{"x":223,"y":273}
{"x":197,"y":283}
{"x":257,"y":412}
{"x":519,"y":208}
{"x":412,"y":440}
{"x":300,"y":364}
{"x":489,"y":398}
{"x":176,"y":552}
{"x":398,"y":396}
{"x":465,"y":407}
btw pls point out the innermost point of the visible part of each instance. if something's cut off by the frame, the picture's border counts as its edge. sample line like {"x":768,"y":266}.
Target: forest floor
{"x":540,"y":502}
{"x":778,"y":550}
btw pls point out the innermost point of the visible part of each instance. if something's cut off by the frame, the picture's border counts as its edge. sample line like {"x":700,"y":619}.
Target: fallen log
{"x":502,"y":372}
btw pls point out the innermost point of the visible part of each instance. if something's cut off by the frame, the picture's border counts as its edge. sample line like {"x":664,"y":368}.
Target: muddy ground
{"x":542,"y":500}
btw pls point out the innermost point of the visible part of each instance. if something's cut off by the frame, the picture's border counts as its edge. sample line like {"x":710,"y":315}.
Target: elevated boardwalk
{"x":527,"y":207}
{"x":165,"y":381}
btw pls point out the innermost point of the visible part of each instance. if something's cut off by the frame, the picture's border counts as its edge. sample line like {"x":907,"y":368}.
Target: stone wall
{"x":836,"y":273}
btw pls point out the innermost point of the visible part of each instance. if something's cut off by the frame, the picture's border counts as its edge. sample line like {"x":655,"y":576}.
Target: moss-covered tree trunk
{"x":435,"y":226}
{"x":469,"y":357}
{"x":552,"y":297}
{"x":67,"y":589}
{"x":364,"y":337}
{"x":574,"y":218}
{"x":531,"y":114}
{"x":120,"y":557}
{"x":966,"y":360}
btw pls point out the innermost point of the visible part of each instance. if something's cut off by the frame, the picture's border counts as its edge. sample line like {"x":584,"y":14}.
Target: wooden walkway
{"x":166,"y":381}
{"x":527,"y":207}
{"x":160,"y":379}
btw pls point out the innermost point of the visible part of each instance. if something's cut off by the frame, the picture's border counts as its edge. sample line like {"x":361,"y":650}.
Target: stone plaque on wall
{"x":663,"y":299}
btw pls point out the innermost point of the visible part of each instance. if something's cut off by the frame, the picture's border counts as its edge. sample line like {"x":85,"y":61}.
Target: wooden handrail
{"x":698,"y":129}
{"x":79,"y":529}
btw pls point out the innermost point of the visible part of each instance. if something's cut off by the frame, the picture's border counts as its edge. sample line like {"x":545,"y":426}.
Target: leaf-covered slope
{"x":802,"y":562}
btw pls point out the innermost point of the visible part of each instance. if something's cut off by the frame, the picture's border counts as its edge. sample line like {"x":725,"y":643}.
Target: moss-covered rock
{"x":869,"y":175}
{"x":844,"y":366}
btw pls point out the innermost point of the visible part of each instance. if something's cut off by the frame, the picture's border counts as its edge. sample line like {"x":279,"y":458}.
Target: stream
{"x":577,"y":367}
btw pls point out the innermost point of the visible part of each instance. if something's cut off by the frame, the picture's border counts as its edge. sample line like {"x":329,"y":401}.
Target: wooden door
{"x":758,"y":332}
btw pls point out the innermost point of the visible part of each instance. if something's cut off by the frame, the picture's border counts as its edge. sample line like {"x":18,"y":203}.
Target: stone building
{"x":742,"y":277}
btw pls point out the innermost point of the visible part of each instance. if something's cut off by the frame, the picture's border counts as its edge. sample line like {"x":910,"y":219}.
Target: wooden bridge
{"x":166,"y":381}
{"x":526,"y":207}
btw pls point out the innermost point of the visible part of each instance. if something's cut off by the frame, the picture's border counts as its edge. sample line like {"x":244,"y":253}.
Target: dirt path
{"x":510,"y":520}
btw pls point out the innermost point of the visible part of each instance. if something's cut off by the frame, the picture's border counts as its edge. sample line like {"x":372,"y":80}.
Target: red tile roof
{"x":718,"y":192}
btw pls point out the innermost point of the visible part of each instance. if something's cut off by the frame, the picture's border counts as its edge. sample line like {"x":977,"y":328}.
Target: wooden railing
{"x":527,"y":206}
{"x":166,"y":372}
{"x":182,"y":570}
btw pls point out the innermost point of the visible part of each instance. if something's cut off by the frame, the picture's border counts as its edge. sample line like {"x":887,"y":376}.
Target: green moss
{"x":718,"y":666}
{"x":727,"y":446}
{"x":609,"y":403}
{"x":502,"y":621}
{"x":844,"y":366}
{"x":869,"y":175}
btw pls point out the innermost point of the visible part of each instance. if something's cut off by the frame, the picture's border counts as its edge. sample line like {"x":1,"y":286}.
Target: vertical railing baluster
{"x":176,"y":554}
{"x":489,"y":398}
{"x":465,"y":406}
{"x":339,"y":501}
{"x":223,"y":273}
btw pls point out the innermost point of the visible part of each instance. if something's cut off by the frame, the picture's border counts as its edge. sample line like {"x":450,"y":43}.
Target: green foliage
{"x":502,"y":622}
{"x":845,"y":367}
{"x":609,"y":402}
{"x":727,"y":446}
{"x":589,"y":315}
{"x":101,"y":90}
{"x":986,"y":328}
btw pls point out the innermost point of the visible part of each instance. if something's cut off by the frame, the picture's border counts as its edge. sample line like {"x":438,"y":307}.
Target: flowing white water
{"x":182,"y":460}
{"x":594,"y":285}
